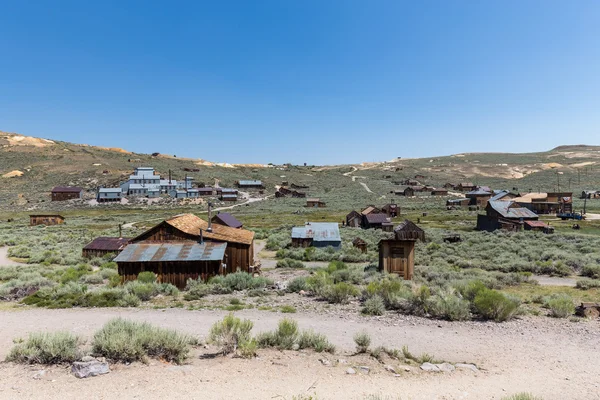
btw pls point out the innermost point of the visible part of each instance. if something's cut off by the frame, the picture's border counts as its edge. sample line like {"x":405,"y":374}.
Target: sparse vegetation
{"x":560,"y":305}
{"x":363,"y":341}
{"x":232,"y":333}
{"x":46,"y":348}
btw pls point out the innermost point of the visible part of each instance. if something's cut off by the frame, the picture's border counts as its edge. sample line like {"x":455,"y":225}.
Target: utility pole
{"x":557,"y":181}
{"x":578,"y":176}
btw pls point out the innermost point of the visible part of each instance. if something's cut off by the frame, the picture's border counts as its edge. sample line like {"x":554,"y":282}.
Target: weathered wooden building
{"x":62,"y":193}
{"x":354,"y":219}
{"x":104,"y":245}
{"x":407,"y":230}
{"x":317,"y":234}
{"x":456,"y":203}
{"x":371,"y":209}
{"x":239,"y":254}
{"x":439,"y":192}
{"x":538,"y":226}
{"x":250,"y":184}
{"x":391,"y":210}
{"x":479,"y":197}
{"x":206,"y":191}
{"x":377,"y":221}
{"x":546,"y":203}
{"x":313,"y":202}
{"x":397,"y":257}
{"x":506,"y":215}
{"x":224,"y":218}
{"x":173,"y":262}
{"x":46,"y":219}
{"x":465,"y":187}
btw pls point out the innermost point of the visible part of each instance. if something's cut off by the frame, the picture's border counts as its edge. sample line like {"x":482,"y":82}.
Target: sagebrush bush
{"x":196,"y":289}
{"x":289,"y":263}
{"x":126,"y":341}
{"x":146,"y":277}
{"x":339,"y":293}
{"x":560,"y":305}
{"x":363,"y":341}
{"x":316,"y":341}
{"x":287,"y":337}
{"x":522,"y":396}
{"x":92,"y":279}
{"x":591,"y":271}
{"x":287,"y":309}
{"x":374,"y":305}
{"x":46,"y":348}
{"x":491,"y":304}
{"x":230,"y":333}
{"x":449,"y":306}
{"x":586,"y":283}
{"x":143,"y":291}
{"x":297,"y":284}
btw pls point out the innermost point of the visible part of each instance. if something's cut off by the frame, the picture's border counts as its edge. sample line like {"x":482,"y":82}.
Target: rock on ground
{"x":89,"y":368}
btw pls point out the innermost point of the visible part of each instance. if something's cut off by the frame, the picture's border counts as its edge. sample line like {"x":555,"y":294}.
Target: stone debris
{"x":90,"y":368}
{"x":445,"y":367}
{"x":325,"y":361}
{"x":364,"y":369}
{"x":467,"y":366}
{"x":391,"y":369}
{"x":429,"y":367}
{"x":350,"y":371}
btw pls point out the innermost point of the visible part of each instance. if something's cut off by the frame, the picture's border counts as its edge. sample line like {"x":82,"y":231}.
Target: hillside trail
{"x":5,"y":261}
{"x":354,"y":169}
{"x":529,"y":354}
{"x":366,"y":187}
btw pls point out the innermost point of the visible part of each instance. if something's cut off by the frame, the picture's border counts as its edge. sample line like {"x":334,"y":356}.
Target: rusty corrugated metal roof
{"x":377,"y":218}
{"x":107,"y":243}
{"x":164,"y":252}
{"x":507,"y":210}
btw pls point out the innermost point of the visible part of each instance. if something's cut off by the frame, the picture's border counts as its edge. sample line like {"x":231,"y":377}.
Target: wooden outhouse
{"x":397,"y":257}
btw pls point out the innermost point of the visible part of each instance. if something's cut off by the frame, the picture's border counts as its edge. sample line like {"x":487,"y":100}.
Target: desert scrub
{"x":309,"y":339}
{"x":586,"y":283}
{"x":231,"y":333}
{"x":287,"y":336}
{"x":374,"y":305}
{"x":195,"y":290}
{"x":126,"y":341}
{"x":560,"y":305}
{"x":143,"y":291}
{"x":27,"y":282}
{"x":287,"y":309}
{"x":289,"y":263}
{"x":146,"y":277}
{"x":447,"y":305}
{"x":240,"y":281}
{"x":92,"y":279}
{"x":46,"y":348}
{"x":362,"y":341}
{"x":339,"y":293}
{"x":297,"y":284}
{"x":522,"y":396}
{"x":76,"y":295}
{"x":495,"y":305}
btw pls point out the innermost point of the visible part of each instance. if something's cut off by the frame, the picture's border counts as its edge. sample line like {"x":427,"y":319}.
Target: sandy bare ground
{"x":556,"y":359}
{"x":5,"y":261}
{"x":555,"y":281}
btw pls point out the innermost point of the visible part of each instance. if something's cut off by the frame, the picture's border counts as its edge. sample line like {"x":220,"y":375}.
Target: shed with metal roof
{"x":317,"y":234}
{"x":104,"y":245}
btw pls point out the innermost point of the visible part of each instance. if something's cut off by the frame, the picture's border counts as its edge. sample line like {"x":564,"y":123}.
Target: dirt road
{"x":555,"y":359}
{"x":5,"y":261}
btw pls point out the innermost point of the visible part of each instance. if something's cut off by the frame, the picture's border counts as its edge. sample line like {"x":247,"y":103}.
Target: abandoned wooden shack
{"x":228,"y":196}
{"x":46,"y":219}
{"x":317,"y":234}
{"x":506,"y":215}
{"x":239,"y":253}
{"x":206,"y":191}
{"x":377,"y":221}
{"x":546,"y":203}
{"x":62,"y":193}
{"x":250,"y":184}
{"x":391,"y":210}
{"x":370,"y":209}
{"x":439,"y":192}
{"x":455,"y":203}
{"x":104,"y":245}
{"x":449,"y":185}
{"x":407,"y":230}
{"x":538,"y":226}
{"x":397,"y":257}
{"x":313,"y":202}
{"x":360,"y":244}
{"x":223,"y":218}
{"x":354,"y":219}
{"x":294,"y":186}
{"x":479,"y":197}
{"x":465,"y":187}
{"x":172,"y":263}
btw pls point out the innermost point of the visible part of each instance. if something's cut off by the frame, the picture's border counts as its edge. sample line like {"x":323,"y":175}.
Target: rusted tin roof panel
{"x":107,"y":243}
{"x":165,"y":252}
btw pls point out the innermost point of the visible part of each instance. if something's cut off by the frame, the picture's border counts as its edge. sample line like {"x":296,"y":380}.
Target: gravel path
{"x":555,"y":359}
{"x":555,"y":281}
{"x":5,"y":261}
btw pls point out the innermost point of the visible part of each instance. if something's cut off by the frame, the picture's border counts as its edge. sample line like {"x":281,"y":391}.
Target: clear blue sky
{"x":303,"y":81}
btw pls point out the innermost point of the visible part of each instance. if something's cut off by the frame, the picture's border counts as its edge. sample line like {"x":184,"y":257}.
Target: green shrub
{"x":127,"y":341}
{"x":560,"y":305}
{"x":283,"y":338}
{"x":374,"y":305}
{"x":471,"y":289}
{"x":167,"y":289}
{"x":146,"y":277}
{"x":447,"y":305}
{"x":289,"y":263}
{"x":241,"y":281}
{"x":491,"y":304}
{"x":339,"y":293}
{"x":287,"y":309}
{"x":196,"y":289}
{"x":230,"y":333}
{"x":248,"y":349}
{"x":297,"y":284}
{"x":318,"y":282}
{"x":235,"y":301}
{"x":591,"y":271}
{"x":316,"y":341}
{"x":522,"y":396}
{"x":93,"y":279}
{"x":363,"y":341}
{"x":392,"y":290}
{"x":73,"y":274}
{"x":46,"y":348}
{"x":108,"y":273}
{"x":109,"y":297}
{"x":66,"y":295}
{"x":586,"y":283}
{"x":143,"y":291}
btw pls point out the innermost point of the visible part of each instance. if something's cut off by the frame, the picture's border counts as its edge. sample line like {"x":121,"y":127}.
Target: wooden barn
{"x":239,"y":254}
{"x":507,"y":215}
{"x":173,"y":262}
{"x":223,"y":218}
{"x":377,"y":221}
{"x":316,"y":203}
{"x":454,"y":203}
{"x":408,"y":230}
{"x":46,"y":219}
{"x":354,"y":219}
{"x":360,"y":244}
{"x":206,"y":191}
{"x":104,"y":245}
{"x":62,"y":193}
{"x":391,"y":210}
{"x":397,"y":257}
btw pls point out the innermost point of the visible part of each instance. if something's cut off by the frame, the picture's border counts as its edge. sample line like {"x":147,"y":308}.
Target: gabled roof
{"x":318,"y":231}
{"x":377,"y":218}
{"x":107,"y":243}
{"x":191,"y":224}
{"x":369,"y":210}
{"x":67,"y":189}
{"x":353,"y":214}
{"x":407,"y":230}
{"x":466,"y":184}
{"x":165,"y":252}
{"x":536,"y":224}
{"x":510,"y":210}
{"x":407,"y":226}
{"x":227,"y":220}
{"x":479,"y":192}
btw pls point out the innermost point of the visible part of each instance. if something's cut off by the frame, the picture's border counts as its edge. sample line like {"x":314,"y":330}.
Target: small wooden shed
{"x":315,"y":203}
{"x":104,"y":245}
{"x":46,"y":219}
{"x":408,"y":230}
{"x":360,"y":244}
{"x":62,"y":193}
{"x":354,"y":219}
{"x":397,"y":257}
